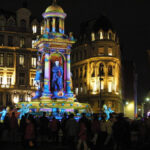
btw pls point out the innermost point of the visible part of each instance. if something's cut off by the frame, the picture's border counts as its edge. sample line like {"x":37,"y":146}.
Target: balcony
{"x":16,"y":29}
{"x":7,"y":86}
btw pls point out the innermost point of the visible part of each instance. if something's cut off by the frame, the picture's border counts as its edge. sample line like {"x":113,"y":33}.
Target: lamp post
{"x":100,"y":79}
{"x":147,"y":100}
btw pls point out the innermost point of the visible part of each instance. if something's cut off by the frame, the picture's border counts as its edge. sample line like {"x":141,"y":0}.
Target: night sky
{"x":130,"y":18}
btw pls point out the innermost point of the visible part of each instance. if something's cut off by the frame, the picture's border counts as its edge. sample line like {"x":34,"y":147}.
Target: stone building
{"x":96,"y":65}
{"x":18,"y":56}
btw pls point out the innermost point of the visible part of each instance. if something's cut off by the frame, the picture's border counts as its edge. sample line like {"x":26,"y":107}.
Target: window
{"x":9,"y":79}
{"x":1,"y":78}
{"x":42,"y":29}
{"x":110,"y":51}
{"x":10,"y":41}
{"x":21,"y":78}
{"x":2,"y":21}
{"x":76,"y":91}
{"x":101,"y":35}
{"x":102,"y":85}
{"x":23,"y":23}
{"x":1,"y":40}
{"x":22,"y":42}
{"x":81,"y":72}
{"x":109,"y":36}
{"x":11,"y":22}
{"x":1,"y":59}
{"x":21,"y":98}
{"x":110,"y":70}
{"x":21,"y":60}
{"x":33,"y":41}
{"x":101,"y":51}
{"x":77,"y":73}
{"x":93,"y":73}
{"x":109,"y":86}
{"x":85,"y":73}
{"x":85,"y":54}
{"x":93,"y":37}
{"x":32,"y":81}
{"x":101,"y":69}
{"x":10,"y":60}
{"x":34,"y":28}
{"x":33,"y":62}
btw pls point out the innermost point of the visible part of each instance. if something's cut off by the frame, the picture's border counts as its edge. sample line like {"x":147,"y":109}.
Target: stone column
{"x":65,"y":74}
{"x":54,"y":25}
{"x":63,"y":28}
{"x":68,"y":82}
{"x":60,"y":25}
{"x":46,"y":91}
{"x":47,"y":27}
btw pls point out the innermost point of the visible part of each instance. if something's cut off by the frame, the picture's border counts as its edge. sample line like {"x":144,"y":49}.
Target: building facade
{"x":96,"y":65}
{"x":18,"y":56}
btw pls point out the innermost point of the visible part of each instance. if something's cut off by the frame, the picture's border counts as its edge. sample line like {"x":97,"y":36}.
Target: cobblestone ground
{"x":6,"y":144}
{"x":44,"y":146}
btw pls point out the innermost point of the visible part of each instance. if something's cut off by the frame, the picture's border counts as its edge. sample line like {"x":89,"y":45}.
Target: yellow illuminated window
{"x":1,"y":78}
{"x":42,"y":29}
{"x":110,"y":51}
{"x":109,"y":86}
{"x":33,"y":41}
{"x":93,"y":36}
{"x":9,"y":79}
{"x":76,"y":91}
{"x":22,"y":42}
{"x":21,"y":60}
{"x":33,"y":62}
{"x":1,"y":59}
{"x":101,"y":51}
{"x":102,"y":85}
{"x":34,"y":28}
{"x":101,"y":35}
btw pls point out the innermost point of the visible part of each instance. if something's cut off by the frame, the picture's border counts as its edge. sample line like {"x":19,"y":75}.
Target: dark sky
{"x":130,"y":18}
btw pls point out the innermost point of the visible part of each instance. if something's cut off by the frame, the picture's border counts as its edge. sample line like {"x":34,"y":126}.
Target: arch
{"x":101,"y":34}
{"x":2,"y":20}
{"x":109,"y":35}
{"x":23,"y":23}
{"x":110,"y":70}
{"x":11,"y":21}
{"x":101,"y":69}
{"x":93,"y":66}
{"x":81,"y":71}
{"x":92,"y":36}
{"x":58,"y":71}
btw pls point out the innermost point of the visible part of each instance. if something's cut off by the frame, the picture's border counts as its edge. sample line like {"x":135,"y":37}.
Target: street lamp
{"x":100,"y":79}
{"x":147,"y":99}
{"x":143,"y":103}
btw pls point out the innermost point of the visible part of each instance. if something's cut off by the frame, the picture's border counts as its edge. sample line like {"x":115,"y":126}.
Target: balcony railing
{"x":15,"y":29}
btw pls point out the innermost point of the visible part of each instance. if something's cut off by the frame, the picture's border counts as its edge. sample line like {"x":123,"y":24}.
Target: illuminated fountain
{"x":53,"y":67}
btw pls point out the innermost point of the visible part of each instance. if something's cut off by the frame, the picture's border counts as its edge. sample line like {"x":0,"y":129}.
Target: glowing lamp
{"x":16,"y":99}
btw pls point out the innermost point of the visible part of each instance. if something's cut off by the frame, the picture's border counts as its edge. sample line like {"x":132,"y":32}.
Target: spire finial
{"x":54,"y":2}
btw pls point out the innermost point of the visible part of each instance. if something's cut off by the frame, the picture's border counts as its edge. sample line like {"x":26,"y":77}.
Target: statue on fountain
{"x":108,"y":111}
{"x":57,"y":79}
{"x":3,"y":114}
{"x":24,"y":110}
{"x":37,"y":80}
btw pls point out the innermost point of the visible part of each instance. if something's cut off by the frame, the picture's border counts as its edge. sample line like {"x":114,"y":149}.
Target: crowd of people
{"x":117,"y":133}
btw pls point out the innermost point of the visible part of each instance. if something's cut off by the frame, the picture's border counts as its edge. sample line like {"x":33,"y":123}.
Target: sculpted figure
{"x":57,"y":81}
